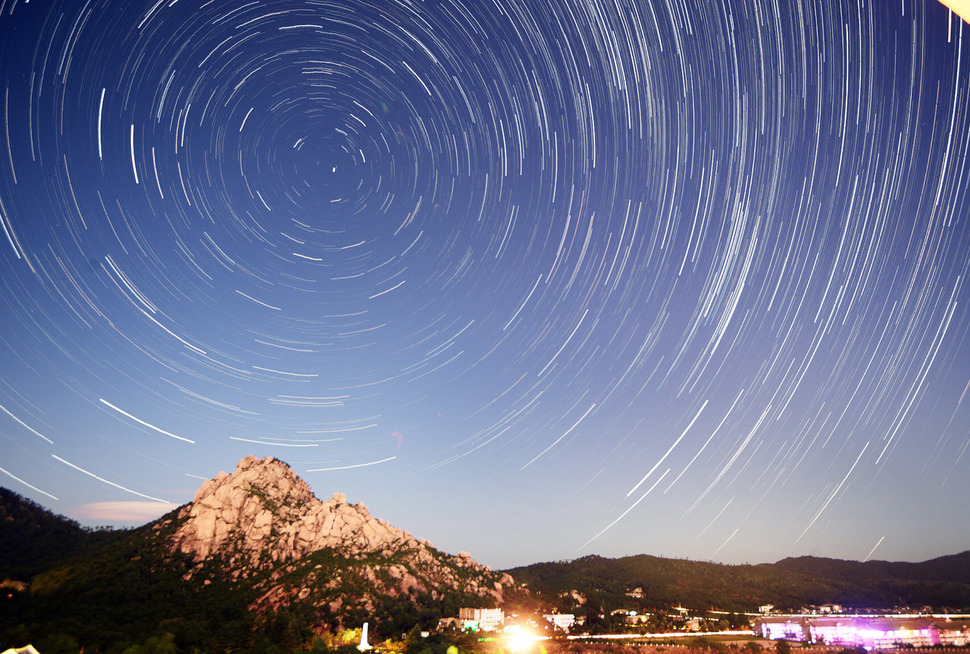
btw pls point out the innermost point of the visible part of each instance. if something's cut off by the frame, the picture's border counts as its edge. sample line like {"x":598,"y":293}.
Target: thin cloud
{"x":123,"y":511}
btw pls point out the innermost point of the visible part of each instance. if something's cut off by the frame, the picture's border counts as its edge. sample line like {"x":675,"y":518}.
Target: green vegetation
{"x":792,"y":583}
{"x":33,"y":539}
{"x":130,"y":593}
{"x":123,"y":594}
{"x":264,"y":498}
{"x":943,"y":582}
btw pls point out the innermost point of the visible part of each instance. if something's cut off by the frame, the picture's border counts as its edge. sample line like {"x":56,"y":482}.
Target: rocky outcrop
{"x":263,"y":521}
{"x":263,"y":511}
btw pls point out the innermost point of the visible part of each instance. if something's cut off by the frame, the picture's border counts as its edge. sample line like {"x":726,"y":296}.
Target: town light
{"x":519,"y":639}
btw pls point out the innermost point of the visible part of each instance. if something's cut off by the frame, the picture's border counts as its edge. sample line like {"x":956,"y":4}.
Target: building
{"x":481,"y":619}
{"x":870,"y":632}
{"x":562,"y":621}
{"x":955,"y":633}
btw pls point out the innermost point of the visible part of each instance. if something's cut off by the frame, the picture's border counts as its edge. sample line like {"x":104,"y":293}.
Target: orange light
{"x":519,"y":639}
{"x":960,"y":7}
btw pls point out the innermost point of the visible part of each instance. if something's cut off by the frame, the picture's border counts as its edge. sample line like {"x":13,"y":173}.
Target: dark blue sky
{"x":530,"y":279}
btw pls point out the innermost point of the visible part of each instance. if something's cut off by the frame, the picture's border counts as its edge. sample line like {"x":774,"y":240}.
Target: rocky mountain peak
{"x":262,"y":523}
{"x":258,"y":539}
{"x":264,"y":513}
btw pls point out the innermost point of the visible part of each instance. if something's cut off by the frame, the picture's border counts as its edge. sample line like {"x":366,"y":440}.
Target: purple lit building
{"x":882,"y":632}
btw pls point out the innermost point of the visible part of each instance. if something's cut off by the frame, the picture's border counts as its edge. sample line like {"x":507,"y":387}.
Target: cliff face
{"x":263,"y":511}
{"x":262,"y":523}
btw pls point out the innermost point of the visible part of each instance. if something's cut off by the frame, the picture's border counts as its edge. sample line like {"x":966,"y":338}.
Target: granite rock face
{"x":264,"y":509}
{"x":263,"y":522}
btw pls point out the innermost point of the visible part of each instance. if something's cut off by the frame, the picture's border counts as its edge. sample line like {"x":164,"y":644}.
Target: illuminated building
{"x":563,"y":621}
{"x":864,"y":631}
{"x":481,"y":619}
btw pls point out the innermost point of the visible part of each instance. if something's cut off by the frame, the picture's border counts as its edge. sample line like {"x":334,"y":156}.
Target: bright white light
{"x":520,"y":639}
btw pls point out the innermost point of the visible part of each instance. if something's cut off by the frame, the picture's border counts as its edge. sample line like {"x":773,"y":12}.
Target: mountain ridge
{"x":791,"y":583}
{"x":949,"y":567}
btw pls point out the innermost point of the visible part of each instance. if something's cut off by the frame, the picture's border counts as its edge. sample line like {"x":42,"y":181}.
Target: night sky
{"x":529,"y":279}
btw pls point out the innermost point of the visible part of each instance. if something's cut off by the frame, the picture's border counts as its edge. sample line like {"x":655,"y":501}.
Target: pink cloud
{"x":122,"y":511}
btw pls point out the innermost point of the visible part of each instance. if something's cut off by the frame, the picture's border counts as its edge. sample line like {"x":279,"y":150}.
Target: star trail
{"x":531,"y":279}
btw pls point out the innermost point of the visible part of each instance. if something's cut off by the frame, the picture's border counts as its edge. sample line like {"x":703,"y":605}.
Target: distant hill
{"x":254,"y":561}
{"x":788,"y":584}
{"x":954,"y":567}
{"x":939,"y":582}
{"x":32,"y":538}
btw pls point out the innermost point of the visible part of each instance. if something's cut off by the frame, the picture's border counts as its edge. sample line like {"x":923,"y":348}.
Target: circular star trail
{"x":533,"y":279}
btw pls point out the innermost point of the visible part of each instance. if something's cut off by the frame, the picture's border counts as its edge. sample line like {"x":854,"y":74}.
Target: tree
{"x":412,"y":642}
{"x":164,"y":644}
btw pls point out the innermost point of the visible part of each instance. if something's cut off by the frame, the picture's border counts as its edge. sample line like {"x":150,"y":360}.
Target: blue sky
{"x":531,"y":280}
